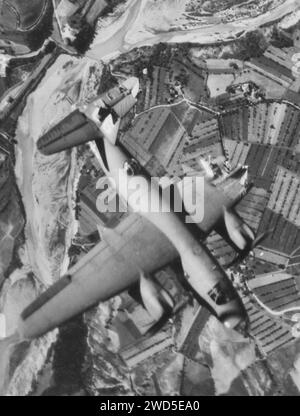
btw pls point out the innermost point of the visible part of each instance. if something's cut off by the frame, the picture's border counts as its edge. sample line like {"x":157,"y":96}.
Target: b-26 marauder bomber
{"x":146,"y":240}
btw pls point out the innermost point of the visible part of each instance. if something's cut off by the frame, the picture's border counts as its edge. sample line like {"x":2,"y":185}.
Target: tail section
{"x":99,"y":118}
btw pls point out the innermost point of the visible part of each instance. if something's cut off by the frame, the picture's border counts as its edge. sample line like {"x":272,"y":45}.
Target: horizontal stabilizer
{"x":73,"y":130}
{"x":157,"y":301}
{"x":255,"y":243}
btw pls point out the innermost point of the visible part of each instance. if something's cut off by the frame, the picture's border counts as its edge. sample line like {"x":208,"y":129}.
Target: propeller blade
{"x":243,"y":254}
{"x":167,"y":315}
{"x":238,"y":231}
{"x":150,"y":297}
{"x":157,"y":301}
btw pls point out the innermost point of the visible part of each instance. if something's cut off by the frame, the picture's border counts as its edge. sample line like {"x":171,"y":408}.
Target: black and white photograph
{"x":149,"y":201}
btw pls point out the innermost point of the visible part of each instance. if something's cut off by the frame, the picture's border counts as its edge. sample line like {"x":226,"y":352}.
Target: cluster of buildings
{"x":273,"y":73}
{"x":265,"y":136}
{"x":167,"y":79}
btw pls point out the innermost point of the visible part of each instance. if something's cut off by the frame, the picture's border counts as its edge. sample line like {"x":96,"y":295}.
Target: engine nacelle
{"x":239,"y":232}
{"x":157,"y":301}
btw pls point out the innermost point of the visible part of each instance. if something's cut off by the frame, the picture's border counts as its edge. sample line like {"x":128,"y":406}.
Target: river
{"x":123,"y":36}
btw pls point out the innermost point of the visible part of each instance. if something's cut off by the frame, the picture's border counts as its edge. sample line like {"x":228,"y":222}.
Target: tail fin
{"x":6,"y":346}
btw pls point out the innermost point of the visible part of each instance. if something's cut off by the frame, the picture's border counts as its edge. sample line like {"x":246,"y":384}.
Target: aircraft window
{"x":222,"y":293}
{"x":131,"y":167}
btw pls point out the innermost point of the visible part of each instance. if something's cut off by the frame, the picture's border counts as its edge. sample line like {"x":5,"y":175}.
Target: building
{"x":6,"y":147}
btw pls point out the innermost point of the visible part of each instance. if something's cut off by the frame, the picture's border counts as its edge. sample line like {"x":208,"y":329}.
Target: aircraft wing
{"x":109,"y":268}
{"x":112,"y":266}
{"x":135,"y":245}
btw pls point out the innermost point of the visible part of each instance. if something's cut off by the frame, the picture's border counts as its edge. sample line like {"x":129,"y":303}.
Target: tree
{"x":74,"y":251}
{"x":252,"y":45}
{"x":279,"y":40}
{"x":84,"y":38}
